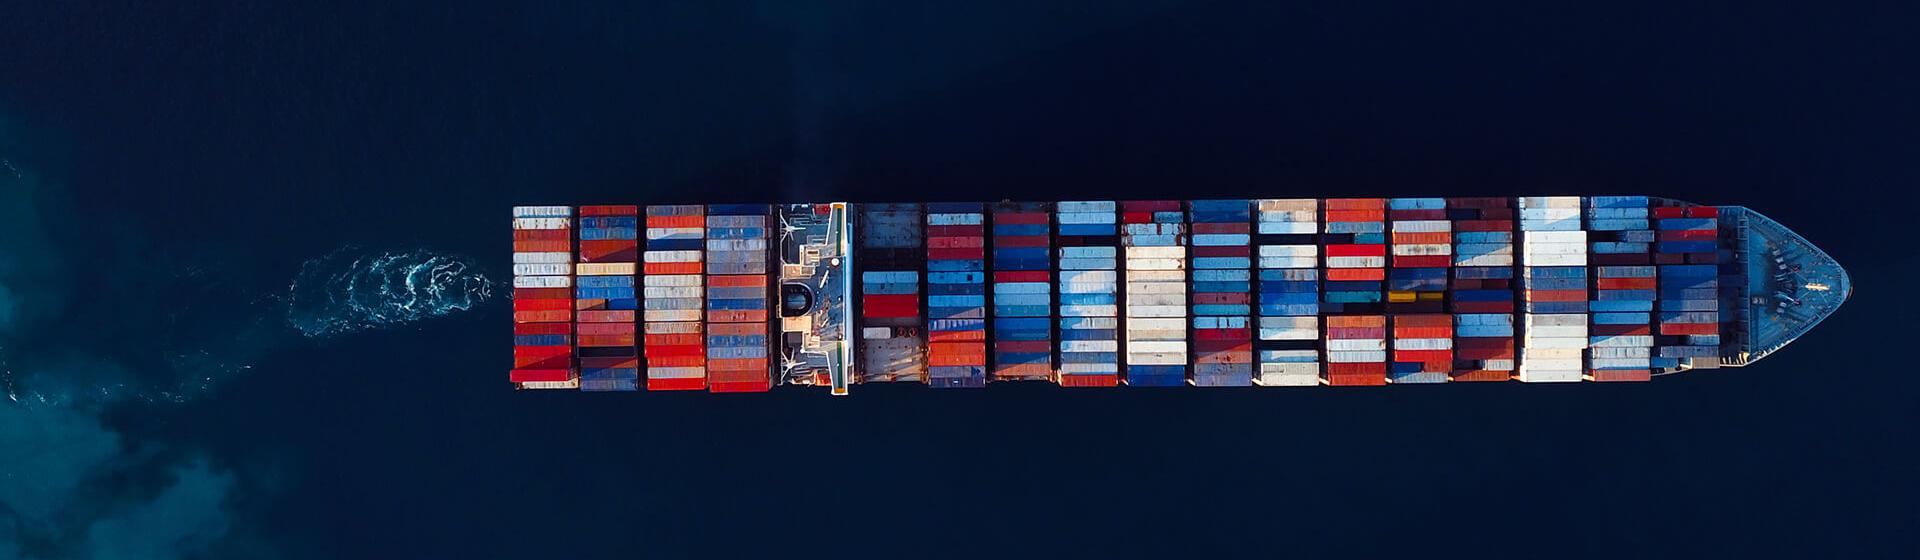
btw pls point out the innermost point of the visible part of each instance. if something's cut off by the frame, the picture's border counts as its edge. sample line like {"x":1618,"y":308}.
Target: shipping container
{"x":1153,"y":236}
{"x":957,"y":294}
{"x":606,"y":280}
{"x":1288,"y":276}
{"x":543,"y":305}
{"x":1022,"y":316}
{"x":673,"y":298}
{"x":1088,"y":236}
{"x":1221,"y":239}
{"x":739,"y":298}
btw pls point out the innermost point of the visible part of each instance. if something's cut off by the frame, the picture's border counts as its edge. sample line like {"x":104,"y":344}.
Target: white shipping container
{"x":1134,"y":253}
{"x":1089,"y":346}
{"x":1152,"y":241}
{"x":1155,"y":346}
{"x":1285,"y":204}
{"x":1497,"y":365}
{"x":542,"y":211}
{"x":1364,"y":357}
{"x":1088,"y":310}
{"x":954,"y":219}
{"x":1087,"y":288}
{"x":1485,"y":260}
{"x":676,"y":372}
{"x":1139,"y":334}
{"x":1555,"y":319}
{"x":1554,"y":342}
{"x":673,"y":328}
{"x":1621,"y":341}
{"x":1530,"y":353}
{"x":543,"y":281}
{"x":1423,"y":226}
{"x":1621,"y":352}
{"x":1423,"y":250}
{"x":1535,"y":249}
{"x":606,"y":269}
{"x":1554,"y":260}
{"x":1096,"y":276}
{"x":1089,"y":252}
{"x":671,"y":292}
{"x":1550,"y":202}
{"x":1356,"y":262}
{"x":1090,"y":323}
{"x":542,"y":258}
{"x":1349,"y":345}
{"x":1088,"y":264}
{"x":1142,"y":299}
{"x":736,"y":244}
{"x":676,"y":233}
{"x":1293,"y":333}
{"x":542,"y":269}
{"x":1140,"y":359}
{"x":1156,"y":264}
{"x":1137,"y":289}
{"x":1152,"y":229}
{"x":1089,"y":369}
{"x":1577,"y":237}
{"x":1284,"y":228}
{"x":1621,"y":363}
{"x":873,"y":333}
{"x":1308,"y":322}
{"x":1286,"y":374}
{"x":1289,"y":262}
{"x":671,"y":315}
{"x":667,"y":280}
{"x":1549,"y":376}
{"x":671,"y":256}
{"x":1157,"y":324}
{"x":1423,"y":344}
{"x":542,"y":223}
{"x":1289,"y":251}
{"x":1107,"y":206}
{"x":1156,"y":311}
{"x":1070,"y":218}
{"x":1156,"y":276}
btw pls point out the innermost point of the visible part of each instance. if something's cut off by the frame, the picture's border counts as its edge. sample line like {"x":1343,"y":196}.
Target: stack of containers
{"x":891,"y":257}
{"x":1154,"y":234}
{"x":543,"y":298}
{"x":738,"y":344}
{"x":1022,"y":291}
{"x":1554,"y":289}
{"x":1289,"y":292}
{"x":672,"y":298}
{"x":1357,"y":350}
{"x":1620,"y":337}
{"x":1422,"y":250}
{"x":1222,"y":281}
{"x":1355,"y":247}
{"x":956,"y":295}
{"x":1688,"y":253}
{"x":1482,"y":290}
{"x":1089,"y":293}
{"x":606,"y":299}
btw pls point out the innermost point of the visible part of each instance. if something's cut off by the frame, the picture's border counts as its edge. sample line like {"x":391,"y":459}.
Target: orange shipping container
{"x":676,"y":221}
{"x":652,"y":269}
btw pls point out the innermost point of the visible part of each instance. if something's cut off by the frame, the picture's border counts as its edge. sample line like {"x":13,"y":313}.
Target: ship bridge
{"x":1789,"y":286}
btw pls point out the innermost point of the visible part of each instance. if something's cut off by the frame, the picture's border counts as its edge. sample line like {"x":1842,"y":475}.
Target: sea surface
{"x":250,"y":255}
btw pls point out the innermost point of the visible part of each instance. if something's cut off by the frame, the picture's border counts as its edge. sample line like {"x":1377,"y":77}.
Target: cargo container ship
{"x":1154,"y":293}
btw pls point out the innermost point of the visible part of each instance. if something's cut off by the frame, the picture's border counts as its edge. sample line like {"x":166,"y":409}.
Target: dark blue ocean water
{"x":174,"y":165}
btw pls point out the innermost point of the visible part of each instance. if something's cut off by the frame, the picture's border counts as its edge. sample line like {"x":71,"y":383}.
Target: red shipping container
{"x":543,"y":328}
{"x":955,"y":241}
{"x":617,"y":316}
{"x":1356,"y":216}
{"x":1483,"y":225}
{"x":542,"y":235}
{"x":1689,"y":328}
{"x":955,"y":336}
{"x":1459,"y":202}
{"x":1218,"y":345}
{"x":1136,"y":217}
{"x":1669,"y":212}
{"x":542,"y":246}
{"x":1222,"y":334}
{"x":1690,"y":235}
{"x":606,"y":340}
{"x":1356,"y":274}
{"x":1422,"y":238}
{"x":548,"y":316}
{"x":1102,"y":380}
{"x":1555,"y":295}
{"x":890,"y":305}
{"x":1423,"y":356}
{"x":545,"y":362}
{"x":736,"y":329}
{"x":1023,"y":346}
{"x":664,"y":222}
{"x":1626,"y":283}
{"x":1619,"y":330}
{"x":1020,"y":241}
{"x":1422,"y":261}
{"x":1022,"y":218}
{"x":753,"y":386}
{"x":675,"y":340}
{"x":1355,"y":333}
{"x":542,"y":293}
{"x":670,"y":268}
{"x":1023,"y":370}
{"x":1620,"y":375}
{"x":1355,"y":203}
{"x":610,"y":362}
{"x":1481,"y":375}
{"x":680,"y":384}
{"x":541,"y":304}
{"x":1703,"y":212}
{"x":955,"y":232}
{"x":1356,"y":379}
{"x":1483,"y":354}
{"x":1218,"y":298}
{"x":1022,"y":276}
{"x":731,"y":366}
{"x":610,"y":210}
{"x":1441,"y":321}
{"x":653,"y":351}
{"x":537,"y":375}
{"x":737,"y":281}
